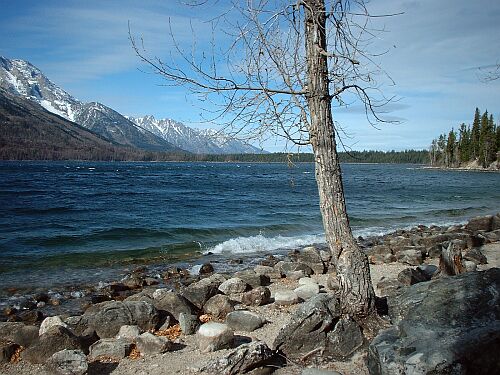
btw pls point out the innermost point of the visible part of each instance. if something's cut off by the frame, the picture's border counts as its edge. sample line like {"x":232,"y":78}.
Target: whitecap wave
{"x":260,"y":243}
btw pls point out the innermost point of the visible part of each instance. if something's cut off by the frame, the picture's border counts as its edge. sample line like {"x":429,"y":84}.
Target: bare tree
{"x":290,"y":63}
{"x":489,"y":73}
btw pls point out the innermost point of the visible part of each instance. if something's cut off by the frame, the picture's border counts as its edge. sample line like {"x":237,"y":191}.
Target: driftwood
{"x":450,"y":260}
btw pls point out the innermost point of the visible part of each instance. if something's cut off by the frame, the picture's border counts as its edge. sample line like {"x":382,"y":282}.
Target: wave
{"x":260,"y":243}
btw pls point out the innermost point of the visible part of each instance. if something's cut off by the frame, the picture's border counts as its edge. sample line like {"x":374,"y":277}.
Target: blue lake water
{"x":75,"y":222}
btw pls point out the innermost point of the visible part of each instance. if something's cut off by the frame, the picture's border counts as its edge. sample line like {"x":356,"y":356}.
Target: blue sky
{"x":434,"y":50}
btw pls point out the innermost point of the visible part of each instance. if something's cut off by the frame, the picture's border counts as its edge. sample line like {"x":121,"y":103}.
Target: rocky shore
{"x":281,"y":316}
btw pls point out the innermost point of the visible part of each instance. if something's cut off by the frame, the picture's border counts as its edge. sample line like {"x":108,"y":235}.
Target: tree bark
{"x":353,"y":272}
{"x":450,"y":260}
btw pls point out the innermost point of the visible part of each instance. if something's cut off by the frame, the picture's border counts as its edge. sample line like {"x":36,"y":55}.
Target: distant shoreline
{"x":462,"y":169}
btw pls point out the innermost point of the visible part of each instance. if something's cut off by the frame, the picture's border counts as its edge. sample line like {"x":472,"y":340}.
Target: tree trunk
{"x":353,"y":272}
{"x":450,"y":260}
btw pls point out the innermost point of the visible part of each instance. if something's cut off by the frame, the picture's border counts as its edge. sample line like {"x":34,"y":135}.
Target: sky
{"x":436,"y":52}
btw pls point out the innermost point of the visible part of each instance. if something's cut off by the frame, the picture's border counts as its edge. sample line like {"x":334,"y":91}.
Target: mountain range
{"x":19,"y":78}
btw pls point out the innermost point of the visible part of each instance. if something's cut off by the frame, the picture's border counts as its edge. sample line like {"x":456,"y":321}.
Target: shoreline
{"x":389,"y":255}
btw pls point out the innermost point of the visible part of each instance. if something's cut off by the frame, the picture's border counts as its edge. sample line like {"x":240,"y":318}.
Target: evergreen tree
{"x":474,"y":137}
{"x":450,"y":148}
{"x":464,"y":143}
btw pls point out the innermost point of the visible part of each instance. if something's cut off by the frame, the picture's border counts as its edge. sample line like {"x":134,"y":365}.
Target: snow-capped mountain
{"x":21,"y":78}
{"x":197,"y":141}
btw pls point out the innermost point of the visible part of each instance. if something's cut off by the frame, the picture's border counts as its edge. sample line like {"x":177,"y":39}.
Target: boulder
{"x":233,"y":285}
{"x":214,"y":336}
{"x":450,"y":325}
{"x":387,"y":287}
{"x":256,"y":297}
{"x":129,"y":333}
{"x":50,"y":322}
{"x":475,"y":255}
{"x":18,"y":333}
{"x":244,"y":320}
{"x":148,"y":344}
{"x":54,"y":340}
{"x":218,"y":306}
{"x":206,"y":269}
{"x":198,"y":293}
{"x":307,"y":291}
{"x":312,"y":257}
{"x":286,"y":297}
{"x":108,"y":317}
{"x":267,"y":271}
{"x":114,"y":349}
{"x":410,"y":256}
{"x":344,"y":339}
{"x":379,"y":254}
{"x":68,"y":362}
{"x":495,"y":222}
{"x":174,"y":303}
{"x":188,"y":323}
{"x":253,"y":279}
{"x":242,"y":360}
{"x":480,"y":223}
{"x":428,"y":270}
{"x":308,"y":328}
{"x":286,"y":268}
{"x":410,"y":276}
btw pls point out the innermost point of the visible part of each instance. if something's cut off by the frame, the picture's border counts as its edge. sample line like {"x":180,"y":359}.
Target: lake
{"x":68,"y":223}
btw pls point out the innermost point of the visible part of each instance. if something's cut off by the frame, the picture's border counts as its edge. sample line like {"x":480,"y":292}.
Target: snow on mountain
{"x":197,"y":141}
{"x":21,"y":78}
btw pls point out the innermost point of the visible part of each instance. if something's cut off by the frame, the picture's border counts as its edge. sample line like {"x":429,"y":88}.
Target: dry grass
{"x":134,"y":352}
{"x":171,"y":333}
{"x":16,"y":357}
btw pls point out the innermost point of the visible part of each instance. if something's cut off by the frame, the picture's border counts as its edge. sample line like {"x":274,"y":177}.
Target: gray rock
{"x":54,"y":340}
{"x":495,"y":222}
{"x":312,"y":257}
{"x":242,"y":360}
{"x":469,"y":266}
{"x":307,"y":281}
{"x":308,"y":327}
{"x":316,"y":371}
{"x":412,"y":257}
{"x":256,"y":297}
{"x":244,"y":320}
{"x":172,"y":302}
{"x":286,"y":268}
{"x":68,"y":362}
{"x":148,"y":344}
{"x":7,"y":350}
{"x":214,"y":336}
{"x":50,"y":322}
{"x":108,"y":317}
{"x":475,"y":255}
{"x":267,"y":271}
{"x":296,"y":275}
{"x":286,"y":297}
{"x":188,"y":323}
{"x":198,"y":293}
{"x":18,"y":333}
{"x":450,"y":325}
{"x":233,"y":285}
{"x":129,"y":333}
{"x":218,"y":306}
{"x":410,"y":276}
{"x":480,"y":223}
{"x":428,"y":269}
{"x":380,"y":254}
{"x":387,"y":287}
{"x":115,"y":349}
{"x":253,"y":279}
{"x":307,"y":291}
{"x":344,"y":339}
